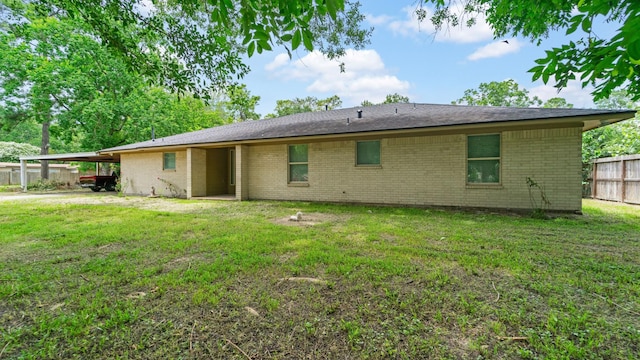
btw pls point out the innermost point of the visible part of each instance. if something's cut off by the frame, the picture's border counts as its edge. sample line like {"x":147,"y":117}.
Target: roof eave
{"x":579,"y":121}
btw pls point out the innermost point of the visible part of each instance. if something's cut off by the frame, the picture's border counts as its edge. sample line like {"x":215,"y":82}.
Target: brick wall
{"x":428,"y":170}
{"x":425,"y":170}
{"x":141,"y":171}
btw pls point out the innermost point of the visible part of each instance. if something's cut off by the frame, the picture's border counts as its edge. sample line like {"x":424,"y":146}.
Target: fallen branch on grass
{"x":4,"y":348}
{"x":307,"y":279}
{"x":620,"y":306}
{"x":496,"y":290}
{"x":191,"y":336}
{"x":515,"y":338}
{"x":236,"y":346}
{"x":84,"y":278}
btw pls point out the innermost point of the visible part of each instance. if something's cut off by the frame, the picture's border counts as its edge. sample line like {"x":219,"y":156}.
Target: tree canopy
{"x":503,"y":93}
{"x":302,"y":105}
{"x":605,"y":63}
{"x":506,"y":93}
{"x":192,"y":46}
{"x":389,"y":99}
{"x":622,"y":138}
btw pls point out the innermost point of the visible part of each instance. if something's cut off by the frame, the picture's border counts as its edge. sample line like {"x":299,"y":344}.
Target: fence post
{"x":623,"y":179}
{"x":594,"y":180}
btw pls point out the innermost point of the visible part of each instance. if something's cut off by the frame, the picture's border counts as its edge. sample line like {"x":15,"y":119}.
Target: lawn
{"x":109,"y":277}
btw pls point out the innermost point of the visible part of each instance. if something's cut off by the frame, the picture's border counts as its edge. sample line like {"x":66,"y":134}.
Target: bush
{"x":11,"y":151}
{"x":47,"y":185}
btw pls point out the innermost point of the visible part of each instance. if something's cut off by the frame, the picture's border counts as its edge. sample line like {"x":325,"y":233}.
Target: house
{"x":405,"y":154}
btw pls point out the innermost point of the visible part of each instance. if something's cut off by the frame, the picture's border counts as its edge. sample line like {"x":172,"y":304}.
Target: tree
{"x":556,"y":103}
{"x":622,"y":138}
{"x":389,"y":99}
{"x":605,"y":63}
{"x":32,"y":73}
{"x":11,"y":151}
{"x":302,"y":105}
{"x":191,"y":46}
{"x":504,"y":93}
{"x":54,"y":74}
{"x":240,"y":105}
{"x":395,"y":98}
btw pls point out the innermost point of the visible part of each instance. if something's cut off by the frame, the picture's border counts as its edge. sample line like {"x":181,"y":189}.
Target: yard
{"x":125,"y":277}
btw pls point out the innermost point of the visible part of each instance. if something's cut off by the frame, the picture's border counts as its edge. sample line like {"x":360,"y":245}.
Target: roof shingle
{"x":374,"y":118}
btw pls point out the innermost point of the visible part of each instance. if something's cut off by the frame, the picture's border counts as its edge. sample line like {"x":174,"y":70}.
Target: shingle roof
{"x":374,"y":118}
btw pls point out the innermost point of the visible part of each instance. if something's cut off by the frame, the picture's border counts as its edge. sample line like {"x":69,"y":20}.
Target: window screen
{"x":483,"y":159}
{"x":169,"y":162}
{"x":298,"y":163}
{"x":368,"y":152}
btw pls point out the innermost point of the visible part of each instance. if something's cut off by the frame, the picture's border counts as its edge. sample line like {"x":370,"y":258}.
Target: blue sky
{"x":406,"y":57}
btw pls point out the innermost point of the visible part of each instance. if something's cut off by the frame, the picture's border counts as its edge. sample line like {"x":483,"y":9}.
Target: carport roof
{"x":84,"y":156}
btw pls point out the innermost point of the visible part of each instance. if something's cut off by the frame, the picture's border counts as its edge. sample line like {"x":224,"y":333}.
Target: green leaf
{"x":286,"y":37}
{"x":586,"y":25}
{"x":297,"y":38}
{"x":545,"y":77}
{"x":251,"y":48}
{"x":537,"y":72}
{"x":575,"y":22}
{"x":633,"y":49}
{"x":261,"y":35}
{"x":307,"y":39}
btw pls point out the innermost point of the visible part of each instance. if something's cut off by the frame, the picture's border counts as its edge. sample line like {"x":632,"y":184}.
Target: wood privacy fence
{"x":617,"y":179}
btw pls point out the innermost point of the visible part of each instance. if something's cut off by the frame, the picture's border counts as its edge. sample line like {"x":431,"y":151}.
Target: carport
{"x":81,"y":157}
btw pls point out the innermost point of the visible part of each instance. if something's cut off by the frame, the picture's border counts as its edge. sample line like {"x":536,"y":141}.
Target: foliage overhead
{"x":191,"y":46}
{"x":605,"y":63}
{"x":302,"y":105}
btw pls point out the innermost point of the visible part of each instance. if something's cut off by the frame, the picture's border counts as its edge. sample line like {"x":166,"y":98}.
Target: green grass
{"x":159,"y":278}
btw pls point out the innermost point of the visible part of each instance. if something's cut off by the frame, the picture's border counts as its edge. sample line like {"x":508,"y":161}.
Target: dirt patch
{"x":139,"y":202}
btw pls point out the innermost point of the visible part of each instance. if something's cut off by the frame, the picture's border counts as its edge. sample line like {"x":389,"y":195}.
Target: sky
{"x":407,"y":57}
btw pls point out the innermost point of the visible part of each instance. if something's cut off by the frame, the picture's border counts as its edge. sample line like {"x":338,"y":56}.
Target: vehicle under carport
{"x":77,"y":157}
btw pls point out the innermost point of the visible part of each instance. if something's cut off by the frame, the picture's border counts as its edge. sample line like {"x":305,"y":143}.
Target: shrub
{"x":11,"y":151}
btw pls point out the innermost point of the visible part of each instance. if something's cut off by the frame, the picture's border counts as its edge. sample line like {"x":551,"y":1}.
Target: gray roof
{"x":374,"y":118}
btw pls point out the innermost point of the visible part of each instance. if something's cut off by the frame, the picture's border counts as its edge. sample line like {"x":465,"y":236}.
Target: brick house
{"x":405,"y":154}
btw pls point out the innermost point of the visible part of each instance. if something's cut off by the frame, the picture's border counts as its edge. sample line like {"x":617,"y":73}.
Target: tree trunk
{"x":44,"y":150}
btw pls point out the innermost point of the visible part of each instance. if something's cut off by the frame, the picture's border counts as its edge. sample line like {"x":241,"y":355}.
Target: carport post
{"x":23,"y":175}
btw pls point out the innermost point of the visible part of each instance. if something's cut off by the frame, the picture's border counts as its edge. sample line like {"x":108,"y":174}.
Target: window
{"x":298,"y":163}
{"x":368,"y":153}
{"x":483,"y":159}
{"x":169,"y":162}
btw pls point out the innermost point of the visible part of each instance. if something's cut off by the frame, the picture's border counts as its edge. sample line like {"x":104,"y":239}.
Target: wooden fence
{"x":617,"y":179}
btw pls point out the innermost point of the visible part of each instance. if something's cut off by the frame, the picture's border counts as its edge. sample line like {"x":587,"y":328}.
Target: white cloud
{"x":412,"y":27}
{"x":496,"y":49}
{"x":378,"y":20}
{"x":279,"y":61}
{"x":573,"y":93}
{"x":365,"y":76}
